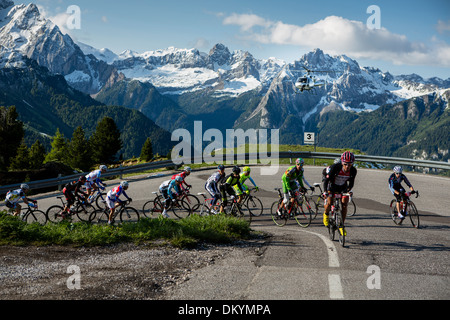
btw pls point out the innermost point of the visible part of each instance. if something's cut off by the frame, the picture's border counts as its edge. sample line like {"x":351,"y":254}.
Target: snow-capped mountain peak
{"x":24,"y":31}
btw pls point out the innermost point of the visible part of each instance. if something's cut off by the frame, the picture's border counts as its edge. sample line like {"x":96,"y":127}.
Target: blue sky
{"x":414,"y":36}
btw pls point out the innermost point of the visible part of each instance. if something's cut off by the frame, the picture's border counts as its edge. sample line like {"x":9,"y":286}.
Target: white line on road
{"x":334,"y":283}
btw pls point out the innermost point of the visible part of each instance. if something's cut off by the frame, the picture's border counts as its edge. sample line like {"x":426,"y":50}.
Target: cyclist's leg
{"x":112,"y":207}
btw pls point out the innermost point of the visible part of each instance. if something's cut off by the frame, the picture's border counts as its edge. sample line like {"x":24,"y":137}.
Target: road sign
{"x":309,"y":138}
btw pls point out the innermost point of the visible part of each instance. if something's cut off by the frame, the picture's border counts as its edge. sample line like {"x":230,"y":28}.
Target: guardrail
{"x":241,"y":157}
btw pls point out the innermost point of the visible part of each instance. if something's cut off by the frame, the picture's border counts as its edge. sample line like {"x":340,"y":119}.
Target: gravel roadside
{"x":123,"y":271}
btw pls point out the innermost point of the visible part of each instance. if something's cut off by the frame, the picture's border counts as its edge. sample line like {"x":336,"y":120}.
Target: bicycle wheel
{"x":181,"y":209}
{"x":36,"y":216}
{"x":152,"y":209}
{"x":129,"y":214}
{"x":351,"y":208}
{"x":319,"y":205}
{"x":236,"y":211}
{"x":394,"y":212}
{"x":413,"y":215}
{"x":302,"y":214}
{"x":54,"y":214}
{"x":100,"y":201}
{"x":192,"y":201}
{"x":254,"y":206}
{"x":340,"y":225}
{"x":99,"y":216}
{"x":84,"y":211}
{"x":331,"y":226}
{"x":279,"y":219}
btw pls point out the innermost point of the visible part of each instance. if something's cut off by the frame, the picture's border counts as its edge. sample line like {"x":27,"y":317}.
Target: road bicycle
{"x":99,"y":198}
{"x":80,"y":208}
{"x":407,"y":207}
{"x":123,"y":211}
{"x":301,"y":214}
{"x":232,"y":208}
{"x":206,"y":208}
{"x":179,"y":208}
{"x":335,"y":219}
{"x":319,"y":203}
{"x":32,"y":214}
{"x":252,"y":203}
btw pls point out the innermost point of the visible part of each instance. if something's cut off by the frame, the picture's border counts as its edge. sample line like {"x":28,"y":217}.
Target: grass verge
{"x":186,"y":233}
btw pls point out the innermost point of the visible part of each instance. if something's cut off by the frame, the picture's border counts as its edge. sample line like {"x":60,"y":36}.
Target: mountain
{"x":418,"y":127}
{"x":46,"y":102}
{"x":24,"y":30}
{"x":224,"y":89}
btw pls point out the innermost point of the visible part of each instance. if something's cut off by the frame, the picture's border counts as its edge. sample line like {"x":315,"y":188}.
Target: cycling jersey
{"x":337,"y":180}
{"x":242,"y":180}
{"x":74,"y":186}
{"x":166,"y":188}
{"x":232,"y":180}
{"x":213,"y":182}
{"x":115,"y":193}
{"x":14,"y":196}
{"x":395,"y":183}
{"x":290,"y":176}
{"x":93,"y":177}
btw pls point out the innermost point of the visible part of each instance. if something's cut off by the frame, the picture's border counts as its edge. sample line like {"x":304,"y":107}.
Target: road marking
{"x":334,"y":283}
{"x":333,"y":259}
{"x":334,"y":280}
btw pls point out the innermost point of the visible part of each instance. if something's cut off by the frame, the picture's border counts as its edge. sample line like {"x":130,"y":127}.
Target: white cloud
{"x":338,"y":35}
{"x":443,"y":26}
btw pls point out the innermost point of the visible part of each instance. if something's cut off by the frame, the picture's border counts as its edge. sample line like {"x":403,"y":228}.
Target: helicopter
{"x":308,"y":82}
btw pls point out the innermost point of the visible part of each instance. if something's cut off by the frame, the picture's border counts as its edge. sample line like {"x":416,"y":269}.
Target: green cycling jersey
{"x":291,"y":175}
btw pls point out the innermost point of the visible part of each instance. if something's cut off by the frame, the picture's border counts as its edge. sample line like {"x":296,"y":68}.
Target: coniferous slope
{"x":46,"y":102}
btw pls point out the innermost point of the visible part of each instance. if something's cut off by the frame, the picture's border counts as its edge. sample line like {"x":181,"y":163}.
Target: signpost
{"x":310,"y":138}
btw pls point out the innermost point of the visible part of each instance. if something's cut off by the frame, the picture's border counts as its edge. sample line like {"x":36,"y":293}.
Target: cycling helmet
{"x":221,"y":167}
{"x":337,"y":160}
{"x":103,"y":167}
{"x":236,"y":170}
{"x":246,"y":169}
{"x":300,"y":161}
{"x":124,"y":184}
{"x":398,"y":169}
{"x":347,"y":157}
{"x":24,"y":186}
{"x":187,"y":169}
{"x":179,"y":179}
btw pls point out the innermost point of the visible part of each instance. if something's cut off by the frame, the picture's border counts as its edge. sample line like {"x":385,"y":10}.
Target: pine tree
{"x":22,"y":160}
{"x":11,"y":134}
{"x":105,"y":141}
{"x":147,"y":151}
{"x":79,"y":151}
{"x":37,"y":155}
{"x":59,"y":148}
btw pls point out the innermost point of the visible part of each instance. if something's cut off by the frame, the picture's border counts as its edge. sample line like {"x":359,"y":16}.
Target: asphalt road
{"x":379,"y":261}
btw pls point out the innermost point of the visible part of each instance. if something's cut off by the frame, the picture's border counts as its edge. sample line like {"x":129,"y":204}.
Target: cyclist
{"x":166,"y":190}
{"x":112,"y":198}
{"x":14,"y":196}
{"x":244,"y":176}
{"x":212,"y":185}
{"x":395,"y":185}
{"x":183,"y":174}
{"x":72,"y":190}
{"x":340,"y":179}
{"x":233,"y":179}
{"x":93,"y":180}
{"x":292,"y":181}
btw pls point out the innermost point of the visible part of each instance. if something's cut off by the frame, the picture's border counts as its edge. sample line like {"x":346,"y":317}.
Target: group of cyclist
{"x":337,"y":178}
